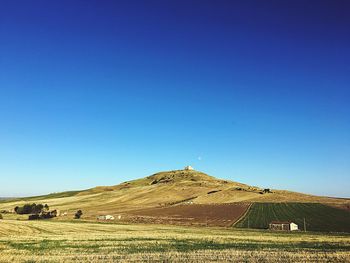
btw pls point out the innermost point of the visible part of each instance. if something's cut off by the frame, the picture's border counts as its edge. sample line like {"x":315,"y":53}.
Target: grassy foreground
{"x":318,"y":217}
{"x":55,"y":241}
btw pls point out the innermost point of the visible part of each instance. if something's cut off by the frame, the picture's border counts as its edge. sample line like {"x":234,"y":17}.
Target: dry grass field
{"x":81,"y":241}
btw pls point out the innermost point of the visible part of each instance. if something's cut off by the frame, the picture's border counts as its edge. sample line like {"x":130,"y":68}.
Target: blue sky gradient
{"x":100,"y":92}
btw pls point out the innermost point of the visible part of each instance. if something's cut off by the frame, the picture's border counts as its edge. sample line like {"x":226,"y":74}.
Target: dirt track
{"x":191,"y":214}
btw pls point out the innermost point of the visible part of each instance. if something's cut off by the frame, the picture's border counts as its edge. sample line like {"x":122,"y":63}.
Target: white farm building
{"x":106,"y":217}
{"x":283,"y":226}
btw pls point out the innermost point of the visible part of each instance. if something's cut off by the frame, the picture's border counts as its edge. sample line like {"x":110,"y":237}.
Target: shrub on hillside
{"x":33,"y":217}
{"x":1,"y":216}
{"x":78,"y":214}
{"x":43,"y":215}
{"x":47,"y":215}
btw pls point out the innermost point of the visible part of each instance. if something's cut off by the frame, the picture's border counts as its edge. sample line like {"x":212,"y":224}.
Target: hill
{"x":165,"y":189}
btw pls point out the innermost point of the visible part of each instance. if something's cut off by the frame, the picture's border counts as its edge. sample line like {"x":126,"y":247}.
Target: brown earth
{"x":191,"y":214}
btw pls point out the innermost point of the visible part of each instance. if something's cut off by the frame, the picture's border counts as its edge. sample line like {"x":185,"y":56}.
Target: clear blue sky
{"x":100,"y":92}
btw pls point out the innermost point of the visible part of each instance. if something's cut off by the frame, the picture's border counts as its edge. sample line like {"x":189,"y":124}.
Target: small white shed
{"x":283,"y":225}
{"x":105,"y":217}
{"x":109,"y":217}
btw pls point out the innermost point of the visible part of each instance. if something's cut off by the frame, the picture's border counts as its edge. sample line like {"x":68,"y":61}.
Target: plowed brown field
{"x":191,"y":214}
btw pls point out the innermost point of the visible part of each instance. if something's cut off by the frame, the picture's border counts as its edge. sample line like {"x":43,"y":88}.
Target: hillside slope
{"x":161,"y":190}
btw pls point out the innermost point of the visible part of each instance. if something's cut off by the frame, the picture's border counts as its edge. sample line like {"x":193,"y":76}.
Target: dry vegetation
{"x":79,"y":241}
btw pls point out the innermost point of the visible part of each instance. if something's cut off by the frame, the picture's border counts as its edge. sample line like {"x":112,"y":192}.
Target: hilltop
{"x":166,"y":189}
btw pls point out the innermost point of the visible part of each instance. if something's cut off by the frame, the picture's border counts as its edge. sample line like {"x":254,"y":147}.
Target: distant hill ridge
{"x":175,"y":176}
{"x":179,"y":175}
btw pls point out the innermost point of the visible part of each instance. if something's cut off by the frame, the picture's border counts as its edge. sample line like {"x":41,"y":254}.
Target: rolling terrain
{"x":180,"y":196}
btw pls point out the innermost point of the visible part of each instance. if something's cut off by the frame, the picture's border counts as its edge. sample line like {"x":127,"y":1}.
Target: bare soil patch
{"x":191,"y":214}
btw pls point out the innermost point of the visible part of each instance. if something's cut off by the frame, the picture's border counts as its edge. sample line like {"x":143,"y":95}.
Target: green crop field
{"x":318,"y":217}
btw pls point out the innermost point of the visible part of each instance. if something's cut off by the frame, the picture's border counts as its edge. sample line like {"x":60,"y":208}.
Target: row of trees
{"x":40,"y":211}
{"x":43,"y":215}
{"x":47,"y":215}
{"x":31,"y":209}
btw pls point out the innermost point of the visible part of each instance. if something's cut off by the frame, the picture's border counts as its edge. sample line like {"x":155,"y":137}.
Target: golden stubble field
{"x":81,"y":241}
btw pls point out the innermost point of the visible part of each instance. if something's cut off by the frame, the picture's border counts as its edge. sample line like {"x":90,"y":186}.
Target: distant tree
{"x":78,"y":214}
{"x":46,"y":207}
{"x":26,"y":209}
{"x":36,"y":209}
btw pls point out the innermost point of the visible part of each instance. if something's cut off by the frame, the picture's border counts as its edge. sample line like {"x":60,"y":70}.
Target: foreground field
{"x":318,"y":217}
{"x":55,"y":241}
